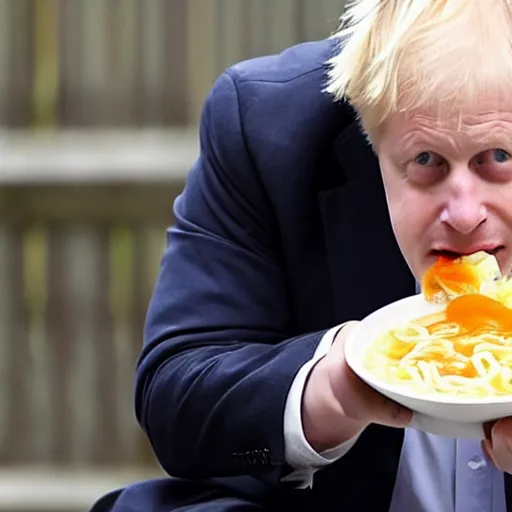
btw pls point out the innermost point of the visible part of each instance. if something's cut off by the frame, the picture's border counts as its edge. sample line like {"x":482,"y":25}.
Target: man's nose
{"x":464,"y":209}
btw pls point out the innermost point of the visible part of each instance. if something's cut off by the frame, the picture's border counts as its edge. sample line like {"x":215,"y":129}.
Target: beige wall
{"x":78,"y":262}
{"x":118,"y":62}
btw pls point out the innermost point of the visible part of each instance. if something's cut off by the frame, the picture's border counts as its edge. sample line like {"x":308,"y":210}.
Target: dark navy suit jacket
{"x":282,"y":232}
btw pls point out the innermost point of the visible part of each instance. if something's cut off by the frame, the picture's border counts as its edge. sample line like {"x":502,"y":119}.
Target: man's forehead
{"x":466,"y":134}
{"x":480,"y":126}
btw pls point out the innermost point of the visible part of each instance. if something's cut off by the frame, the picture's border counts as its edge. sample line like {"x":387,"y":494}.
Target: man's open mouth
{"x":447,"y":253}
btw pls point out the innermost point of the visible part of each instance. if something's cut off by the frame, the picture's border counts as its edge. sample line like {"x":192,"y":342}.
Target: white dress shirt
{"x":454,"y":475}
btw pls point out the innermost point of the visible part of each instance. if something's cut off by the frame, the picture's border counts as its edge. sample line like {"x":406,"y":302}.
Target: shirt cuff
{"x":299,"y":453}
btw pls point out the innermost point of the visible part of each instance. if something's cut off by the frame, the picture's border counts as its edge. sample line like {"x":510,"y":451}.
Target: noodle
{"x":465,"y":350}
{"x":445,"y":357}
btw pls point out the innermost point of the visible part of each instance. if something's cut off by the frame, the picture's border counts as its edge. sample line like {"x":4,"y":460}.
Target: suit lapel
{"x":508,"y":491}
{"x":367,"y":269}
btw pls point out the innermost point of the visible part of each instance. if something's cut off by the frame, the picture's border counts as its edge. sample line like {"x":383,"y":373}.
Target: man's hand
{"x":337,"y":405}
{"x":498,"y":444}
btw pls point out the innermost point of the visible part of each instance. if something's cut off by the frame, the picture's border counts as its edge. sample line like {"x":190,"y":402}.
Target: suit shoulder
{"x":275,"y":111}
{"x":282,"y":97}
{"x":291,"y":63}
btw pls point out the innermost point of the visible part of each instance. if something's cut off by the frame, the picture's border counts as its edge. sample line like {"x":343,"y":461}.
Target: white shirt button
{"x":477,"y":463}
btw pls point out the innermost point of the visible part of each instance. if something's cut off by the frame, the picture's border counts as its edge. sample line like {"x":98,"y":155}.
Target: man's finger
{"x":499,"y":447}
{"x":375,"y":407}
{"x":338,"y":346}
{"x":390,"y":413}
{"x":365,"y":403}
{"x":487,"y":449}
{"x":488,"y":429}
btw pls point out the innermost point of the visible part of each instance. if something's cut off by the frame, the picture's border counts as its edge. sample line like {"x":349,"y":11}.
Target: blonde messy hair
{"x":403,"y":55}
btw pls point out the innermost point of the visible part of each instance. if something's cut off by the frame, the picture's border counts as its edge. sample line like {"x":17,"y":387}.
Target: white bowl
{"x":451,"y":416}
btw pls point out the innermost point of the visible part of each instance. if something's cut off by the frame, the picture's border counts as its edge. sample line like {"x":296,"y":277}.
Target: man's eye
{"x":500,"y":155}
{"x":428,"y":159}
{"x":424,"y":158}
{"x":427,"y":169}
{"x":491,"y":156}
{"x":494,"y":165}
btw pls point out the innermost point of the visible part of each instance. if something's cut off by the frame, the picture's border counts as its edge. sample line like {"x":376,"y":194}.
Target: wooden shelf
{"x":97,"y":156}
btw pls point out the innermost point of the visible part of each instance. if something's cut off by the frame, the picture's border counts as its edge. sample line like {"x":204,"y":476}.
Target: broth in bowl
{"x":445,"y":353}
{"x":466,"y":349}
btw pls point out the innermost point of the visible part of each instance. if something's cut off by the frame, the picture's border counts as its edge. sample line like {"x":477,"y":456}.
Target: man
{"x":287,"y":233}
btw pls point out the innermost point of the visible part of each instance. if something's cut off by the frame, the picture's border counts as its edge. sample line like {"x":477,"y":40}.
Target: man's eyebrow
{"x":496,"y":135}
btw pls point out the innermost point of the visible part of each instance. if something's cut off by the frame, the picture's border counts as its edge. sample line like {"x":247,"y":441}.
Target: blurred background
{"x":99,"y":104}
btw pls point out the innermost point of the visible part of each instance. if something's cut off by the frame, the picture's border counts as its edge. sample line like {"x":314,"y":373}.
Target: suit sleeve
{"x":218,"y":360}
{"x":300,"y":455}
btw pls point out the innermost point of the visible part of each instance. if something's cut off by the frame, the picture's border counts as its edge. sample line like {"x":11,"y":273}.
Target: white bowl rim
{"x":359,"y":369}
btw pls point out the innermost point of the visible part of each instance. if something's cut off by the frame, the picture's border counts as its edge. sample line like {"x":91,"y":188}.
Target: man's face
{"x":449,"y":185}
